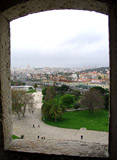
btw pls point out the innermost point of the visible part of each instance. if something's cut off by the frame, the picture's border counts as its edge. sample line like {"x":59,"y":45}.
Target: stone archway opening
{"x":13,"y":9}
{"x":55,"y":143}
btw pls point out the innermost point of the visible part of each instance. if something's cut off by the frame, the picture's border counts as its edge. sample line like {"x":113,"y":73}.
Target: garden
{"x":89,"y":110}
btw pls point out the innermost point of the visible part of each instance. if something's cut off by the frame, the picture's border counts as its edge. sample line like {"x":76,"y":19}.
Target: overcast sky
{"x":64,"y":38}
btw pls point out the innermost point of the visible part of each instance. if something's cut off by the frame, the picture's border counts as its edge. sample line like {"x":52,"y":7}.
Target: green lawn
{"x":31,"y":91}
{"x":83,"y":119}
{"x":15,"y":137}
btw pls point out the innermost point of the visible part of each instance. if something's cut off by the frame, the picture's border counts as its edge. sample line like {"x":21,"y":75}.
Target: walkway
{"x":25,"y":127}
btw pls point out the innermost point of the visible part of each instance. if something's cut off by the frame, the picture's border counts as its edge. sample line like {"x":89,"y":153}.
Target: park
{"x":81,"y":125}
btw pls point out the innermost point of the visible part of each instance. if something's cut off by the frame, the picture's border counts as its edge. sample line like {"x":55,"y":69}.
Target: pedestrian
{"x":32,"y":112}
{"x":81,"y":137}
{"x":38,"y":125}
{"x":33,"y":126}
{"x":22,"y":136}
{"x":38,"y":137}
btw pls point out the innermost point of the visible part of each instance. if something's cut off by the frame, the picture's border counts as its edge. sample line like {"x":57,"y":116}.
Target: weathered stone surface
{"x":4,"y":5}
{"x":34,"y":6}
{"x":5,"y":79}
{"x":61,"y":147}
{"x":25,"y":7}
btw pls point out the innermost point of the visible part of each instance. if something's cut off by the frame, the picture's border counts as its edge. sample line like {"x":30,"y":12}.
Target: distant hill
{"x":100,"y":69}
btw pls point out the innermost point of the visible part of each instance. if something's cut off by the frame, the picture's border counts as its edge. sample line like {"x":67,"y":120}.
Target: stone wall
{"x":34,"y":6}
{"x":23,"y":8}
{"x":5,"y":80}
{"x":61,"y":147}
{"x":113,"y":80}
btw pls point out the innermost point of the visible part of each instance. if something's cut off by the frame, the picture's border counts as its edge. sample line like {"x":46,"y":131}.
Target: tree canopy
{"x":51,"y":109}
{"x":67,"y":100}
{"x":76,"y":94}
{"x":64,"y":88}
{"x":49,"y":92}
{"x":92,"y":99}
{"x":21,"y":101}
{"x":100,"y":89}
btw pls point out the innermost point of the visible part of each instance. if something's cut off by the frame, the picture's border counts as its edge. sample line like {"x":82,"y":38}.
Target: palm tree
{"x":51,"y":109}
{"x":45,"y":110}
{"x":55,"y":110}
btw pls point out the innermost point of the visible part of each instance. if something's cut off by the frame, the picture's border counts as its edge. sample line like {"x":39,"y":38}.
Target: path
{"x":25,"y":127}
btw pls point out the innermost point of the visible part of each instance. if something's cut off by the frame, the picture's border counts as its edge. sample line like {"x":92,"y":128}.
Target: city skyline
{"x":67,"y":38}
{"x":28,"y":67}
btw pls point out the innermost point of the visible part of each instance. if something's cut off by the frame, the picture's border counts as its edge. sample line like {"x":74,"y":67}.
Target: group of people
{"x":22,"y":137}
{"x":41,"y":137}
{"x":38,"y":136}
{"x":34,"y":126}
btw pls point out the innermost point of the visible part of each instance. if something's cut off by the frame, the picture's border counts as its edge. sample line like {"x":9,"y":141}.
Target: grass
{"x":97,"y":121}
{"x":31,"y":91}
{"x":15,"y":137}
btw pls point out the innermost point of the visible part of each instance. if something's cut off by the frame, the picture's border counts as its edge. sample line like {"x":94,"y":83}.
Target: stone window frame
{"x":33,"y":6}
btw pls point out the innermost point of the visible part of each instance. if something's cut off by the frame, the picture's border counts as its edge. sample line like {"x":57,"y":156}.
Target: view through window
{"x":60,"y":76}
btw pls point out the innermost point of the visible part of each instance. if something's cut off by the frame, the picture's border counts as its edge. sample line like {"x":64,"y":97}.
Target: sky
{"x":60,"y":38}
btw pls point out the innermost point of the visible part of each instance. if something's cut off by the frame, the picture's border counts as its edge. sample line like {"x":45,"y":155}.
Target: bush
{"x":44,"y":91}
{"x":30,"y":88}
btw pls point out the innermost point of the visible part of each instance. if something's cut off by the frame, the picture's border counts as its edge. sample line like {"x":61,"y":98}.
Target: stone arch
{"x":34,"y":6}
{"x":16,"y":11}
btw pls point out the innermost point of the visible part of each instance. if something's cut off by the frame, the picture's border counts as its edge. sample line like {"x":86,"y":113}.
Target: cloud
{"x":64,"y":38}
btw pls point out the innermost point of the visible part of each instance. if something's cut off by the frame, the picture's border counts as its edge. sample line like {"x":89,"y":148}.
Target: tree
{"x":54,"y":90}
{"x":21,"y":101}
{"x":45,"y":109}
{"x":28,"y":102}
{"x":55,"y":110}
{"x":49,"y":94}
{"x":92,"y":99}
{"x":64,"y":88}
{"x":76,"y":94}
{"x":44,"y":91}
{"x":35,"y":86}
{"x":100,"y":89}
{"x":67,"y":100}
{"x":51,"y":109}
{"x":63,"y":107}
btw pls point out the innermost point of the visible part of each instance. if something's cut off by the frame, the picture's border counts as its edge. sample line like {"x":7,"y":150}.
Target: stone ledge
{"x":63,"y":147}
